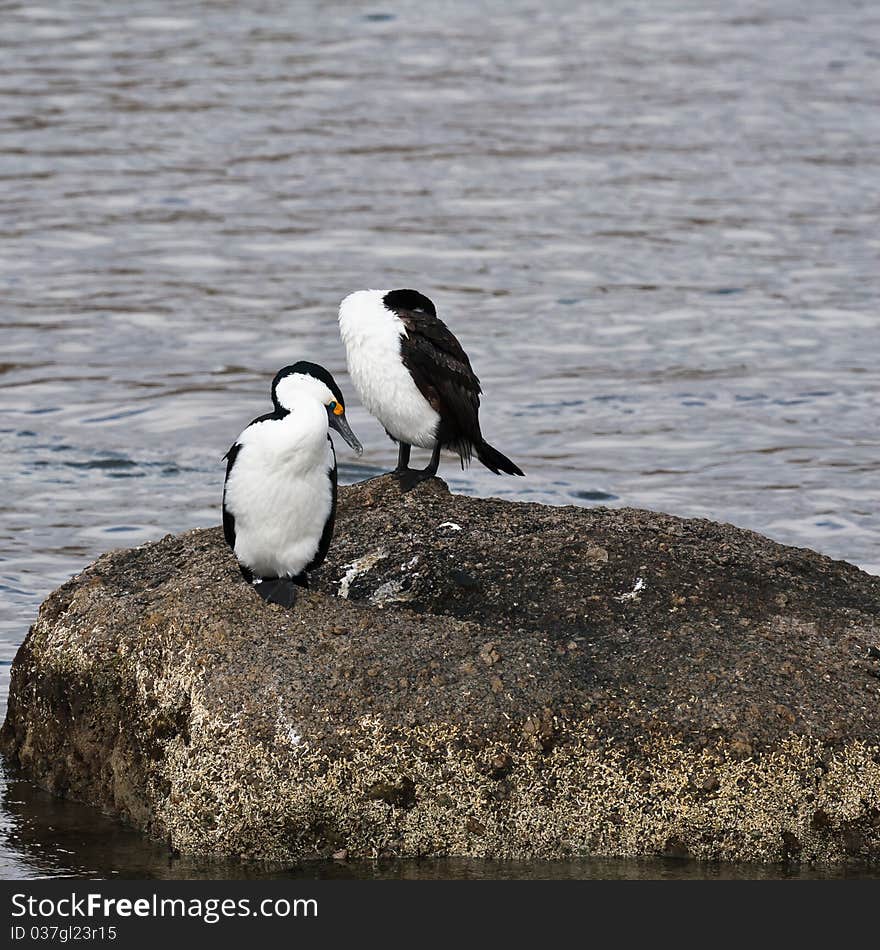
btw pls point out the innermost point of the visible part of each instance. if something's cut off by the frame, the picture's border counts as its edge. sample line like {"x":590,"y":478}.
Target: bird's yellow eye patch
{"x":338,"y":408}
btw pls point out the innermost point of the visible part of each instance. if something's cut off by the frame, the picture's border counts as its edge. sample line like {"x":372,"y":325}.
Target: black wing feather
{"x":442,"y":372}
{"x":230,"y":456}
{"x":327,"y":534}
{"x":228,"y":517}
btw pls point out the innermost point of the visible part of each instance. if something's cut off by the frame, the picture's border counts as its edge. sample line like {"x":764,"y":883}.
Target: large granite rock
{"x":468,"y":677}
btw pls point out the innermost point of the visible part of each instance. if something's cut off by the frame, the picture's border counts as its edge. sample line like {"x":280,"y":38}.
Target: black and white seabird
{"x":279,"y":497}
{"x":413,"y":376}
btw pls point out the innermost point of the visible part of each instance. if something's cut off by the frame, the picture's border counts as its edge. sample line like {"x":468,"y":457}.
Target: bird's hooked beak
{"x":340,"y":424}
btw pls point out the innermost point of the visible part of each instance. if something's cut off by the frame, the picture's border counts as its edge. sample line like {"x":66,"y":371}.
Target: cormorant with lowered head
{"x":414,"y":377}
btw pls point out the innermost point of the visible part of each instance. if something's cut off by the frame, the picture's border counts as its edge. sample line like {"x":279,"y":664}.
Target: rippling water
{"x":653,"y":226}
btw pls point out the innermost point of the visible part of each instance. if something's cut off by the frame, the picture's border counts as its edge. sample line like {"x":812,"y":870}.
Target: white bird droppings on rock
{"x":391,"y":592}
{"x":634,"y":593}
{"x":360,"y":566}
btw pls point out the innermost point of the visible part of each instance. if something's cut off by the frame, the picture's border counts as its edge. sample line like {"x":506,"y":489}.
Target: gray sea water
{"x":652,"y":224}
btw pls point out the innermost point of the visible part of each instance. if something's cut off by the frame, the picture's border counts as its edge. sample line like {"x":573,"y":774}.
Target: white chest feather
{"x":371,"y":334}
{"x":280,"y":494}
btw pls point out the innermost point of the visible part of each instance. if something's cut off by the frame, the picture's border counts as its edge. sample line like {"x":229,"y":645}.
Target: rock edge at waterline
{"x":498,"y":679}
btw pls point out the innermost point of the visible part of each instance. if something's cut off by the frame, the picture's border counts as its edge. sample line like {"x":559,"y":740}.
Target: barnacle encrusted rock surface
{"x":499,"y":679}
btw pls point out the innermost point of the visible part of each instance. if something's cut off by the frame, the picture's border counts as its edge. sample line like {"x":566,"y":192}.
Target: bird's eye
{"x":336,"y":408}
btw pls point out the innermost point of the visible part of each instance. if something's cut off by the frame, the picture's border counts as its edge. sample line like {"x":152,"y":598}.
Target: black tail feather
{"x":495,"y":461}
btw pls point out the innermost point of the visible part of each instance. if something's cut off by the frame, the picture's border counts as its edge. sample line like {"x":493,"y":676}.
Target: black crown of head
{"x":304,"y":368}
{"x":408,"y":300}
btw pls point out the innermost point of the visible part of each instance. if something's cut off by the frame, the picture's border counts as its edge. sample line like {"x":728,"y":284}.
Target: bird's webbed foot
{"x":411,"y":477}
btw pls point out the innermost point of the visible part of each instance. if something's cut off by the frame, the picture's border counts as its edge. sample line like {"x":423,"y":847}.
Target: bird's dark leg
{"x":434,"y":464}
{"x":411,"y":477}
{"x":403,"y":451}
